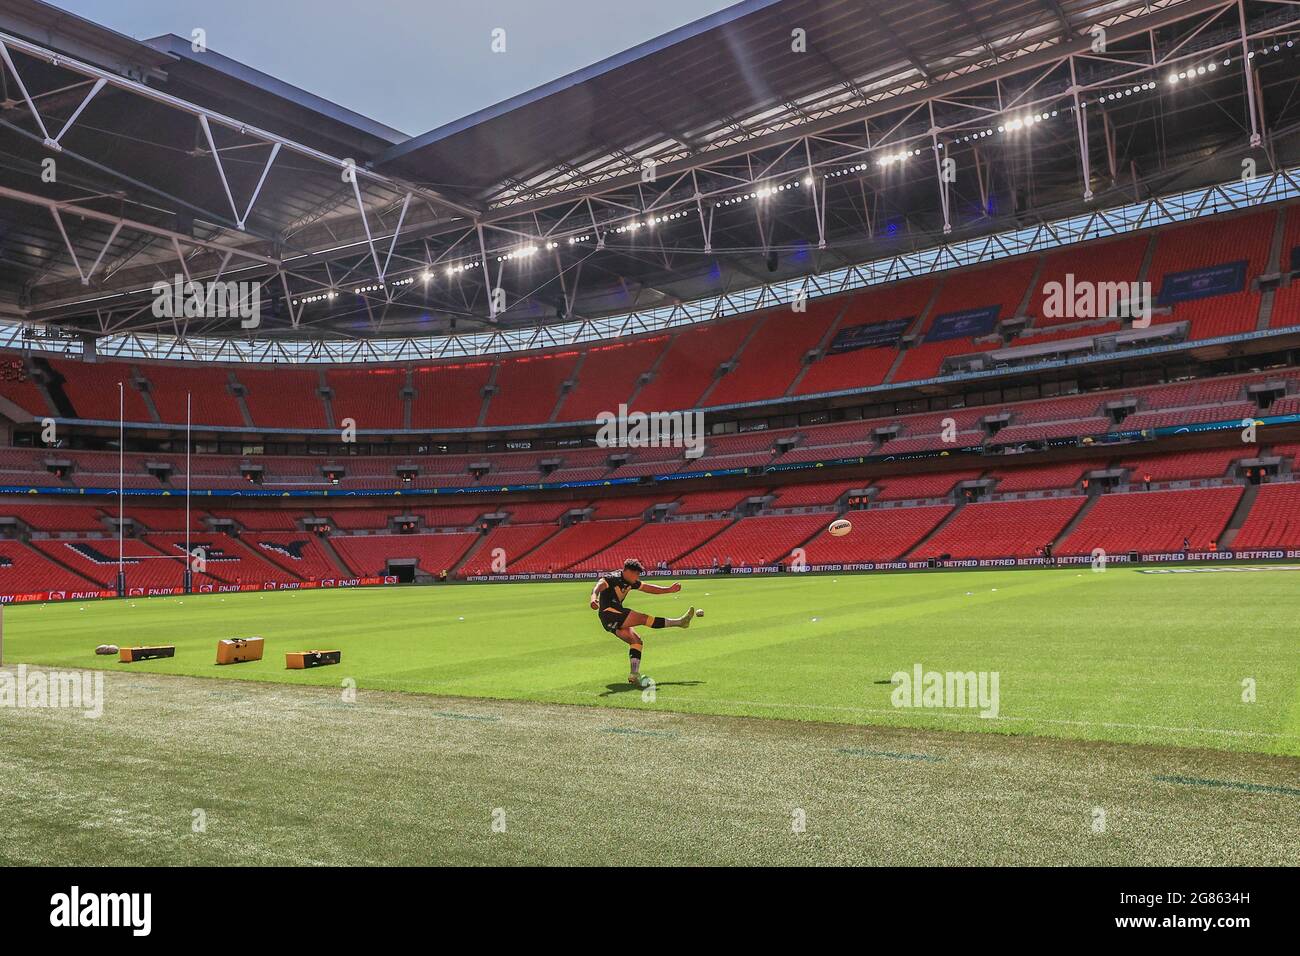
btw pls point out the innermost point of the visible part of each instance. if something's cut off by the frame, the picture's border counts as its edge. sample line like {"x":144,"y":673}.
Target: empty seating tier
{"x":1153,"y":521}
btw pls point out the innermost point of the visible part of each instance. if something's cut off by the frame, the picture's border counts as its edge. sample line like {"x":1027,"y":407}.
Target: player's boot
{"x":685,"y":619}
{"x":633,"y":678}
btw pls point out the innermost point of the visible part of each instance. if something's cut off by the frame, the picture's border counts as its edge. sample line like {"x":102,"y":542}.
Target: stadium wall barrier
{"x":1068,"y":560}
{"x":94,"y":594}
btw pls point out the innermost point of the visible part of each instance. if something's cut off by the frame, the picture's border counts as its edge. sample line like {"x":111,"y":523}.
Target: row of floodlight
{"x":525,"y":252}
{"x":1012,"y":125}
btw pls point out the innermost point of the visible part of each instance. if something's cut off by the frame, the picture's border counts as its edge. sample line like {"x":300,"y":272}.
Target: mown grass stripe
{"x":888,"y":754}
{"x":639,"y":733}
{"x":451,"y":715}
{"x":1231,"y":785}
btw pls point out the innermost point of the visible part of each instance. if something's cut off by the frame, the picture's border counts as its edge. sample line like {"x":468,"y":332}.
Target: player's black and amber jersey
{"x":616,"y":589}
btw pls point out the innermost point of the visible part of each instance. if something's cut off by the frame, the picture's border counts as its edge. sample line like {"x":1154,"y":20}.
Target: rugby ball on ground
{"x":840,"y":527}
{"x":106,"y":649}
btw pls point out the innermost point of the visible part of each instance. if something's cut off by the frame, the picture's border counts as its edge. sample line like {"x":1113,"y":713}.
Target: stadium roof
{"x":776,"y":139}
{"x":730,"y":79}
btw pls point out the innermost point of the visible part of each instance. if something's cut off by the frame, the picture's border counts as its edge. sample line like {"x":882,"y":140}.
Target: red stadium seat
{"x":1274,"y":519}
{"x":1153,"y":521}
{"x":990,"y":529}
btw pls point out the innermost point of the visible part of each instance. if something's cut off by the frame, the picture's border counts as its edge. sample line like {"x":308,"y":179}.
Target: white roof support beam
{"x":8,"y":43}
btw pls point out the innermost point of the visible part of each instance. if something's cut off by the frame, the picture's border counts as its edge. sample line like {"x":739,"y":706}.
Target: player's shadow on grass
{"x":625,"y":687}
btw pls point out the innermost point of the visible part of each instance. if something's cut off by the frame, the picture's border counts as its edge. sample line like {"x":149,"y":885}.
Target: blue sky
{"x":412,"y":64}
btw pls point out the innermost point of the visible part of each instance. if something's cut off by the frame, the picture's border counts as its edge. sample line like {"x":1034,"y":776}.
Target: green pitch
{"x":1125,"y":730}
{"x":1189,"y":660}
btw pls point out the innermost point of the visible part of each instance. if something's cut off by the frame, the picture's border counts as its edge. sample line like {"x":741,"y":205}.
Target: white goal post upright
{"x":121,"y":480}
{"x":188,"y":585}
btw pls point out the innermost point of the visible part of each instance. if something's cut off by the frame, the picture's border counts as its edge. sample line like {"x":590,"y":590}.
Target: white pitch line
{"x":1044,"y":720}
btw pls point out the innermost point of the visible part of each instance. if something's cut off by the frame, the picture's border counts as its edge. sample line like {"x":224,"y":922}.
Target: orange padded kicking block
{"x":129,"y":655}
{"x":237,"y":650}
{"x":298,"y":660}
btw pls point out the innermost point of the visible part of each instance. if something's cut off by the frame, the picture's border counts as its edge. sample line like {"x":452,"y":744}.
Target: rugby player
{"x":607,"y":600}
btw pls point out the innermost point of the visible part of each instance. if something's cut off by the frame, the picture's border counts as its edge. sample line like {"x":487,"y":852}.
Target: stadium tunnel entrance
{"x":403,"y":569}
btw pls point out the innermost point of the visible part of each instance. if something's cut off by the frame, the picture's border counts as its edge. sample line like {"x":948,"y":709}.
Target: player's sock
{"x":634,"y":656}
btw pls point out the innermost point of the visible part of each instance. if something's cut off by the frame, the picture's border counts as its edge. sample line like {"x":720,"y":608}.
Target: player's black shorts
{"x":612,"y":618}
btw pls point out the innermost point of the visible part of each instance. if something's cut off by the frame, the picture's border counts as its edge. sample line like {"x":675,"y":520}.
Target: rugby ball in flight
{"x":840,"y":527}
